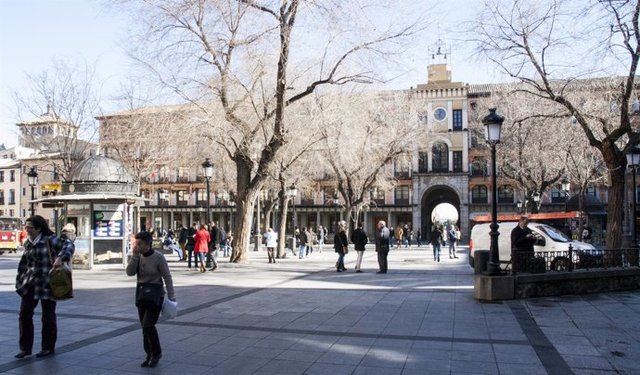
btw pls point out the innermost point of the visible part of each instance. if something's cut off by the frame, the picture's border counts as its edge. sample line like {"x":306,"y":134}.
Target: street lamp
{"x":493,"y":125}
{"x":207,"y":166}
{"x":33,"y":181}
{"x":292,"y":192}
{"x":566,"y":187}
{"x":633,"y":160}
{"x":336,"y":203}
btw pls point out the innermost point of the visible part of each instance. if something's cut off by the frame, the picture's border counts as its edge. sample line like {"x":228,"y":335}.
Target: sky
{"x":33,"y":32}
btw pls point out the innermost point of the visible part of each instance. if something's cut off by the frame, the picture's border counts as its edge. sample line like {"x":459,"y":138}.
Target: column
{"x":190,"y":218}
{"x":171,"y":221}
{"x":388,"y":218}
{"x":365,"y":221}
{"x":317,"y":217}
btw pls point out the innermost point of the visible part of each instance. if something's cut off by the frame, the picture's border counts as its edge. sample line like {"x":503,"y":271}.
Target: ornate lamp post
{"x":493,"y":125}
{"x":207,"y":166}
{"x":33,"y":181}
{"x":566,"y":187}
{"x":292,"y":192}
{"x":633,"y":160}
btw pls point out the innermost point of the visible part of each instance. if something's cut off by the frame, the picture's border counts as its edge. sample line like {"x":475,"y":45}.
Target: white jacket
{"x":271,"y":238}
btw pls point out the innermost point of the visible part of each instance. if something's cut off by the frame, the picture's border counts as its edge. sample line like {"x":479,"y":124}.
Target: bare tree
{"x":533,"y":149}
{"x":535,"y":44}
{"x":365,"y":133}
{"x":71,"y":99}
{"x":242,"y":55}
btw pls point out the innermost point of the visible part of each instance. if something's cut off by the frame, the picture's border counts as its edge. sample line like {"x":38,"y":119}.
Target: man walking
{"x":359,"y":240}
{"x":382,"y":245}
{"x":182,"y":241}
{"x":302,"y":250}
{"x":453,"y":239}
{"x":191,"y":246}
{"x":436,"y":241}
{"x":271,"y":239}
{"x":212,"y":255}
{"x":223,"y":241}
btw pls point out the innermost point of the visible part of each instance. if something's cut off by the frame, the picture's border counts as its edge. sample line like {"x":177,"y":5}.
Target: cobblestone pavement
{"x":301,"y":317}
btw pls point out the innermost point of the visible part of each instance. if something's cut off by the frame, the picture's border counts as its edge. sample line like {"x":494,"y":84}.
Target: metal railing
{"x":573,"y":259}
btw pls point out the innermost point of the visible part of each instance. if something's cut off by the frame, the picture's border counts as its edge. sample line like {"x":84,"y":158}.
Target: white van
{"x":549,"y":239}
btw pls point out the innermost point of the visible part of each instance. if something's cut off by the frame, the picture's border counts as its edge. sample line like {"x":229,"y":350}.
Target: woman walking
{"x":271,"y":239}
{"x":202,"y":246}
{"x":32,"y":283}
{"x":151,"y":269}
{"x":341,"y":245}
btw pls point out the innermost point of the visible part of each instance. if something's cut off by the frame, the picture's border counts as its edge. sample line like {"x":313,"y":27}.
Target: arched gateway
{"x":432,"y":197}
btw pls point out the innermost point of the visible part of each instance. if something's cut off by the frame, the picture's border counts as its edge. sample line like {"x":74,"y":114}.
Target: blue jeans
{"x":340,"y":265}
{"x":436,"y":251}
{"x":302,"y":251}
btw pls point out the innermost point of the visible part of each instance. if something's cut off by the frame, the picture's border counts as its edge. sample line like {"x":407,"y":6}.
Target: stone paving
{"x":301,"y":317}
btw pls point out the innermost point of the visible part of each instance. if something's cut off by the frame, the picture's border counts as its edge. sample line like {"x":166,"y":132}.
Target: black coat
{"x":191,"y":241}
{"x":519,"y":240}
{"x":436,"y":236}
{"x":340,"y":242}
{"x":214,"y":233}
{"x":359,"y":239}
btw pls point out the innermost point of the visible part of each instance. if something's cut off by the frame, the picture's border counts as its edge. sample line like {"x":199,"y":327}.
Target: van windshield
{"x":555,"y":234}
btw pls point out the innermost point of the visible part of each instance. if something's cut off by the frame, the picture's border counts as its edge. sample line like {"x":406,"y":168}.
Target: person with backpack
{"x":452,"y":238}
{"x":42,"y":253}
{"x":151,"y":269}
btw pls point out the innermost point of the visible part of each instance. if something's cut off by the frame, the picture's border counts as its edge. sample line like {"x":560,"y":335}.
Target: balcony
{"x":402,"y":201}
{"x":402,"y":175}
{"x":307,"y":202}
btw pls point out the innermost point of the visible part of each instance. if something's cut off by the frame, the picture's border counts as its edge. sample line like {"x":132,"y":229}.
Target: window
{"x":1,"y":212}
{"x":12,"y":196}
{"x":479,"y":167}
{"x":11,"y":212}
{"x":479,"y":194}
{"x":12,"y":175}
{"x":591,"y":190}
{"x":402,"y":195}
{"x":505,"y":194}
{"x":1,"y":176}
{"x":457,"y":119}
{"x":24,"y":191}
{"x":423,"y":162}
{"x":457,"y":161}
{"x":440,"y":162}
{"x":401,"y":167}
{"x":182,"y":197}
{"x":557,"y":196}
{"x":1,"y":197}
{"x":377,"y":196}
{"x":201,"y":196}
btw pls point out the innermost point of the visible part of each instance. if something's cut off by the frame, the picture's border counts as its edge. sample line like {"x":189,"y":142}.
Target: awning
{"x":538,"y":216}
{"x":89,"y":197}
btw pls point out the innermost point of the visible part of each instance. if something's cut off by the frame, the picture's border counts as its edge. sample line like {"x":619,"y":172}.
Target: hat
{"x":69,"y":228}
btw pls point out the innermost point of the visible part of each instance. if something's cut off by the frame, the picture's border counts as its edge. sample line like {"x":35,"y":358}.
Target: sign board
{"x":51,"y":186}
{"x":108,"y":220}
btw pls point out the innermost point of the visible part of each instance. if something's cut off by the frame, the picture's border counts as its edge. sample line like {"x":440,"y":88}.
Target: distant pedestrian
{"x":359,"y":240}
{"x":452,"y":239}
{"x":392,"y":236}
{"x":341,"y":245}
{"x":202,"y":240}
{"x":419,"y":237}
{"x":191,"y":246}
{"x":302,"y":243}
{"x":151,"y":269}
{"x":399,"y":234}
{"x":382,"y":245}
{"x":214,"y":243}
{"x":311,"y":236}
{"x":182,"y":241}
{"x":271,"y":239}
{"x":322,"y":234}
{"x":436,"y":241}
{"x":39,"y":257}
{"x":222,"y":241}
{"x":229,"y":248}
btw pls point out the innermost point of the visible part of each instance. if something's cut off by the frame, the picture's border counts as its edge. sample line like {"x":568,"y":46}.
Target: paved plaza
{"x":301,"y":317}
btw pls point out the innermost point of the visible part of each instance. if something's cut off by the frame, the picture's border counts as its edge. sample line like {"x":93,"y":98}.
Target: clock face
{"x":440,"y":113}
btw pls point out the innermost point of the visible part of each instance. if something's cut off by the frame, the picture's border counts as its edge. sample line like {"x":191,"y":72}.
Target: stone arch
{"x":431,"y":198}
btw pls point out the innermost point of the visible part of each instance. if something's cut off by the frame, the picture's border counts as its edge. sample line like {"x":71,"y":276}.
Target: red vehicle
{"x":11,"y":235}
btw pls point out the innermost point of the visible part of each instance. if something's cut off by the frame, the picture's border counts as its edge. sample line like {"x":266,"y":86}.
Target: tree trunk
{"x":244,"y":211}
{"x":580,"y":210}
{"x":282,"y":230}
{"x":616,"y":164}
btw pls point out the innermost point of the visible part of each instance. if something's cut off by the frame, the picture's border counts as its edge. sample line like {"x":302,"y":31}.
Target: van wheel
{"x":560,"y":264}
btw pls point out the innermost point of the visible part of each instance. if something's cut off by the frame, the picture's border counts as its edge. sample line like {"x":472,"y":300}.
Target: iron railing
{"x":573,"y":259}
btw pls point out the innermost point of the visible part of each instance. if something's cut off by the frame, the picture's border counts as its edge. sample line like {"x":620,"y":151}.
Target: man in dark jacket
{"x":214,"y":233}
{"x":436,"y":241}
{"x":382,"y":245}
{"x":302,"y":242}
{"x":359,"y":239}
{"x":522,"y":241}
{"x":191,"y":244}
{"x":182,"y":241}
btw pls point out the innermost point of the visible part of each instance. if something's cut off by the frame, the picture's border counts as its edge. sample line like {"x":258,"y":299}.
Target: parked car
{"x":548,"y":239}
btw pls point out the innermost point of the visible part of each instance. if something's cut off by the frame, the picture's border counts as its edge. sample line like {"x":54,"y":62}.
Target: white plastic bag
{"x":169,"y":309}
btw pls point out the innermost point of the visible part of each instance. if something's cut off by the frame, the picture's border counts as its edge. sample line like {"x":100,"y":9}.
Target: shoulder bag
{"x":60,"y":281}
{"x":147,"y":293}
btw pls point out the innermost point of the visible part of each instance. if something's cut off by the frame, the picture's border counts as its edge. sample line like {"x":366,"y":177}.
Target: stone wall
{"x":576,"y":282}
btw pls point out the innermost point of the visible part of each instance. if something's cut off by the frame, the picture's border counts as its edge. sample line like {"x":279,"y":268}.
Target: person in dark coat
{"x":382,"y":245}
{"x":522,"y":241}
{"x":182,"y":241}
{"x":303,"y":239}
{"x":191,"y":245}
{"x":359,"y":239}
{"x":212,"y":255}
{"x":340,"y":245}
{"x":436,"y":241}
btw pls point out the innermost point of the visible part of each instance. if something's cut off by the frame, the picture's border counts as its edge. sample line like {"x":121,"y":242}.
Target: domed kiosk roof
{"x":100,"y":168}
